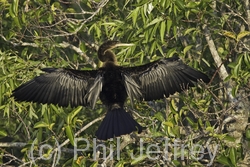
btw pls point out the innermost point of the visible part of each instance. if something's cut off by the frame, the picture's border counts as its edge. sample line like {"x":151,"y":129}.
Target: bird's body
{"x":112,"y":84}
{"x":113,"y":90}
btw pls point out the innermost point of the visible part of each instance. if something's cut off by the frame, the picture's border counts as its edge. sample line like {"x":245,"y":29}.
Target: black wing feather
{"x":58,"y":86}
{"x":164,"y":77}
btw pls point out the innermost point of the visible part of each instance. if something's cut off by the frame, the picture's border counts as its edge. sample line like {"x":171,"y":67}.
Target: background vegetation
{"x":211,"y":36}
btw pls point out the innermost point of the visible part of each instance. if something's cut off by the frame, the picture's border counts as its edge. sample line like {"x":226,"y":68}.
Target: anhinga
{"x":112,"y":84}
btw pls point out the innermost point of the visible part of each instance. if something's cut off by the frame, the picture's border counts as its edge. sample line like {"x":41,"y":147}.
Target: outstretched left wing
{"x":61,"y":86}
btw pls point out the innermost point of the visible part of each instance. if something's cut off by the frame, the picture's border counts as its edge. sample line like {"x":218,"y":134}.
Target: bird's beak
{"x":124,"y":44}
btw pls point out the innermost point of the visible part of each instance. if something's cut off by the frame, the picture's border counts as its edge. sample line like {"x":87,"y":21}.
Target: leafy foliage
{"x":45,"y":33}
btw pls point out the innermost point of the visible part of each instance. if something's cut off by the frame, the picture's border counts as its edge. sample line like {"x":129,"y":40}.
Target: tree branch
{"x":247,"y":6}
{"x":221,"y":68}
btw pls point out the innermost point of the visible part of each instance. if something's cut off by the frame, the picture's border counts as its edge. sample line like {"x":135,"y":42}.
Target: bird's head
{"x":104,"y":52}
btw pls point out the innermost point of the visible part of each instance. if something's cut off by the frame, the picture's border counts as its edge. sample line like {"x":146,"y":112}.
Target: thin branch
{"x":61,"y":45}
{"x":126,"y":141}
{"x":20,"y":43}
{"x":82,"y":129}
{"x":100,"y":6}
{"x":222,"y":70}
{"x":78,"y":51}
{"x":247,"y":6}
{"x":13,"y":159}
{"x":14,"y":144}
{"x":25,"y":126}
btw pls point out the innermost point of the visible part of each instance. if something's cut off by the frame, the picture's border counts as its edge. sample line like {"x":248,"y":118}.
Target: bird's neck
{"x":108,"y":58}
{"x":109,"y":65}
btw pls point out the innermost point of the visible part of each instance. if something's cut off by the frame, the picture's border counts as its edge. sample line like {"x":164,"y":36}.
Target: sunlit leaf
{"x":242,"y":35}
{"x":180,"y":4}
{"x":171,"y":52}
{"x":120,"y":164}
{"x":187,"y":48}
{"x":95,"y":164}
{"x":229,"y":34}
{"x":138,"y":159}
{"x":69,"y":134}
{"x":71,"y":116}
{"x":159,"y":116}
{"x":189,"y":30}
{"x":3,"y":133}
{"x":169,"y":24}
{"x":162,"y":30}
{"x":167,"y":123}
{"x":41,"y":124}
{"x":156,"y":20}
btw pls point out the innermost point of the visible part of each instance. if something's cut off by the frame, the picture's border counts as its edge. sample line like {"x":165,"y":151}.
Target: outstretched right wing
{"x":160,"y":78}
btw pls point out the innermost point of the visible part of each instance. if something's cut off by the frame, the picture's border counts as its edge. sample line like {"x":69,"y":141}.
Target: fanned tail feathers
{"x":117,"y":122}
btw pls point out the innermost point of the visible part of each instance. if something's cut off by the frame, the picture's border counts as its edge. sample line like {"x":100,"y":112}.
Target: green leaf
{"x":176,"y":163}
{"x":23,"y":18}
{"x":51,"y":126}
{"x":180,"y":4}
{"x":159,"y":116}
{"x":41,"y":125}
{"x":248,"y":134}
{"x":169,"y":24}
{"x":16,"y":20}
{"x":232,"y":155}
{"x":153,"y":46}
{"x":50,"y":18}
{"x":170,"y":132}
{"x":69,"y":134}
{"x":235,"y":90}
{"x":247,"y":59}
{"x":156,"y":20}
{"x":229,"y":34}
{"x":3,"y":133}
{"x":120,"y":164}
{"x":210,"y":129}
{"x":229,"y":138}
{"x":237,"y":67}
{"x":162,"y":30}
{"x":171,"y":52}
{"x":14,"y":8}
{"x":71,"y":116}
{"x":167,"y":123}
{"x":189,"y":30}
{"x":224,"y":160}
{"x":7,"y":110}
{"x":173,"y":107}
{"x":192,"y":4}
{"x":139,"y":159}
{"x":200,"y":121}
{"x":191,"y":122}
{"x":162,"y":3}
{"x":134,"y":14}
{"x":152,"y":37}
{"x":175,"y":31}
{"x":176,"y":130}
{"x":187,"y":48}
{"x":242,"y":35}
{"x":95,"y":164}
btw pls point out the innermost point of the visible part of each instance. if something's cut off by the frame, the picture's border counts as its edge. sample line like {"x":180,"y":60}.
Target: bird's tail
{"x":117,"y":122}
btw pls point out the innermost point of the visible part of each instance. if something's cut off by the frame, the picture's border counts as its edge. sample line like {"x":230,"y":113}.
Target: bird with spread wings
{"x":112,"y":84}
